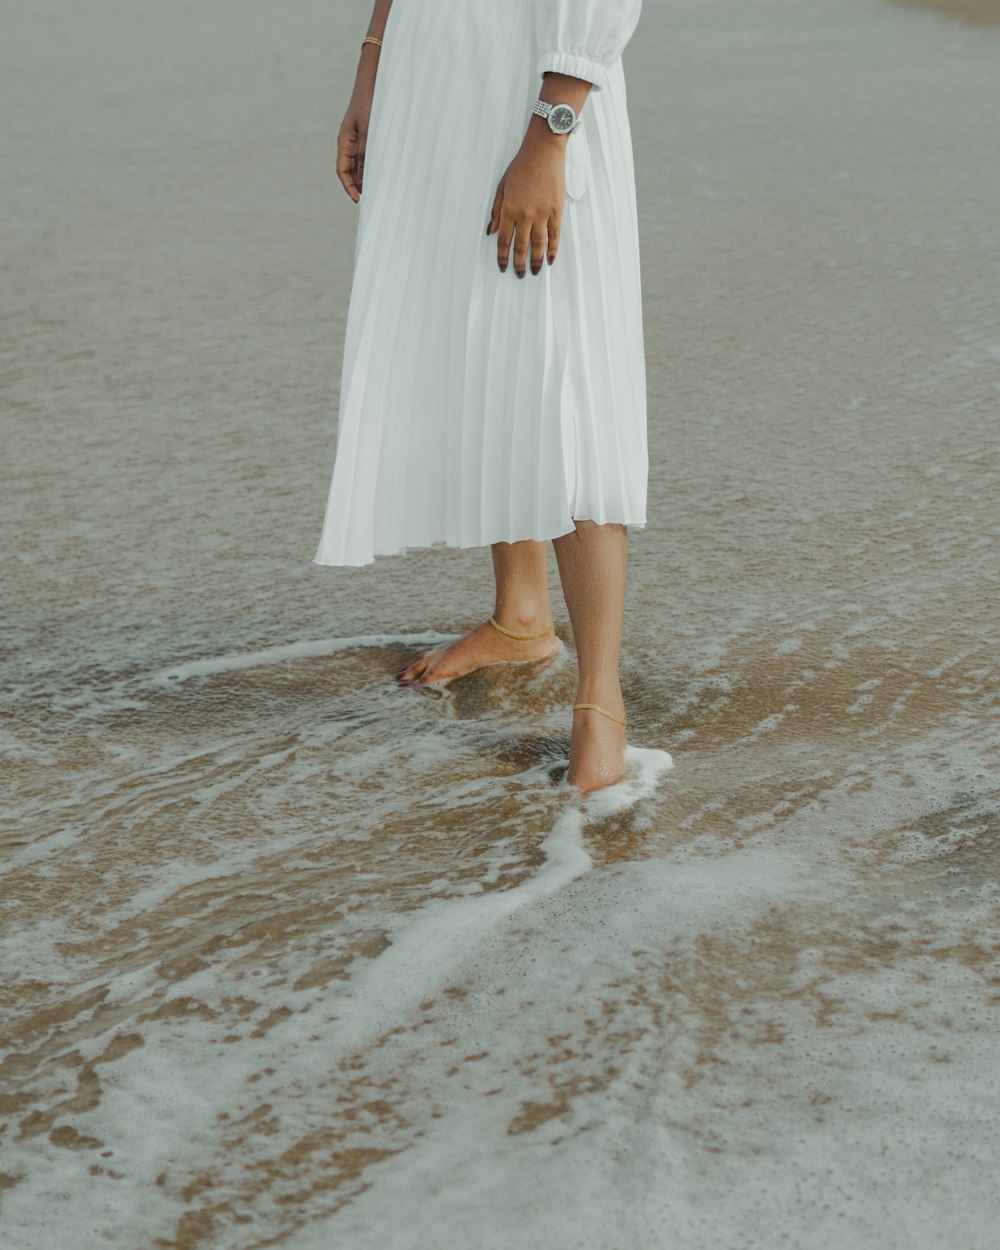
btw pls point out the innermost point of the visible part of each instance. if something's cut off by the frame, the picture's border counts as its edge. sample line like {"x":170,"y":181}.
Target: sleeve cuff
{"x":576,"y":66}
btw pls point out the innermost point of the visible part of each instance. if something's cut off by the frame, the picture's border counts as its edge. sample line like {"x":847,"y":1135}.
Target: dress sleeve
{"x":584,"y":38}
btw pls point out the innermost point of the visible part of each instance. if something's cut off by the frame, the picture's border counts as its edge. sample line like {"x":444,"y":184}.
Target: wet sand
{"x":292,"y":957}
{"x":978,"y":12}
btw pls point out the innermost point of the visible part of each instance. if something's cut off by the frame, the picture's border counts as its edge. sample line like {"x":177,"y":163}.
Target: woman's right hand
{"x":353,"y":135}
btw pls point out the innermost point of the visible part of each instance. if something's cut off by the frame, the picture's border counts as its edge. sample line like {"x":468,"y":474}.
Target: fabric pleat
{"x":476,"y":407}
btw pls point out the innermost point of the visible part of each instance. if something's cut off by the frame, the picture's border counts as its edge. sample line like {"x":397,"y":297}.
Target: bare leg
{"x":593,"y":562}
{"x":521,"y":604}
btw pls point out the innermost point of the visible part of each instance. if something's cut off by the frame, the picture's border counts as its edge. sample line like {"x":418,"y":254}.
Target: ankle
{"x":604,"y":694}
{"x":526,"y":618}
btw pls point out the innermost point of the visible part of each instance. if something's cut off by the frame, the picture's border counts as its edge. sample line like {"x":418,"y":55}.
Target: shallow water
{"x":293,"y":957}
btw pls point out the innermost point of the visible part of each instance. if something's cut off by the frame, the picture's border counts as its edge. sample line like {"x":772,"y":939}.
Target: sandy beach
{"x":978,"y":12}
{"x":292,"y":957}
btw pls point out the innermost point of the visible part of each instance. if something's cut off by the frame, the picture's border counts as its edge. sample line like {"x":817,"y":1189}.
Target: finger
{"x":553,"y":247}
{"x":346,"y":169}
{"x":521,"y":241}
{"x":538,"y":238}
{"x":494,"y":221}
{"x":345,"y":172}
{"x":359,"y":160}
{"x":505,"y":232}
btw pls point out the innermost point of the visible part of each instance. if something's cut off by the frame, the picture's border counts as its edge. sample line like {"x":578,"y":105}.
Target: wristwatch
{"x":562,"y":118}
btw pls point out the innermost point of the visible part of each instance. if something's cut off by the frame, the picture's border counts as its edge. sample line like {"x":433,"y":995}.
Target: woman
{"x":493,"y":388}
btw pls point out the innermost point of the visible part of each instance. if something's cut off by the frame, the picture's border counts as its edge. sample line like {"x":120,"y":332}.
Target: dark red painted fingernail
{"x":536,"y":269}
{"x":503,"y":268}
{"x":552,"y":258}
{"x":520,"y":273}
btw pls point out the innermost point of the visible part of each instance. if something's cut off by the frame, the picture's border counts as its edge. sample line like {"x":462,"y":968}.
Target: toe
{"x":415,"y":666}
{"x":427,"y":674}
{"x":418,"y":669}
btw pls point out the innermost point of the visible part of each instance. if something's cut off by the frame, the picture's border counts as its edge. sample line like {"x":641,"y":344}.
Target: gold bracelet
{"x":371,"y":39}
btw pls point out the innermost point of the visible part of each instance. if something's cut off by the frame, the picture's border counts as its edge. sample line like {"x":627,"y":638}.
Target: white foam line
{"x":646,"y":765}
{"x":565,"y":855}
{"x":168,"y":677}
{"x":432,"y":948}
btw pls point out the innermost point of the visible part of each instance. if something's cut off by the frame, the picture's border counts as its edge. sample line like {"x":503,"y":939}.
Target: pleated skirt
{"x":476,"y":407}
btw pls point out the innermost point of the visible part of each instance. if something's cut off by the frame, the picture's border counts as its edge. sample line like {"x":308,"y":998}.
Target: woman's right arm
{"x":353,"y":133}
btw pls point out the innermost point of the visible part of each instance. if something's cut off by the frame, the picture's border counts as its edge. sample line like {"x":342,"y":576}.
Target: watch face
{"x":561,"y":119}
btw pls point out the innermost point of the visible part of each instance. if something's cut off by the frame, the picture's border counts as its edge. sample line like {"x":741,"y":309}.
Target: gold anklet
{"x":619,"y":719}
{"x":513,"y":633}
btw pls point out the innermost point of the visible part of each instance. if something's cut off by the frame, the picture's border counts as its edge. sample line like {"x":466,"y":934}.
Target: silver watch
{"x":562,"y":118}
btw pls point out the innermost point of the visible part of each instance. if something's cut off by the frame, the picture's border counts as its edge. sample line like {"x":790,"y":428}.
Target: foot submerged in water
{"x":479,"y":648}
{"x":598,"y":743}
{"x":596,"y":750}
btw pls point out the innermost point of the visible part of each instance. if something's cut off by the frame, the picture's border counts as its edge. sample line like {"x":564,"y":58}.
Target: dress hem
{"x":438,"y":543}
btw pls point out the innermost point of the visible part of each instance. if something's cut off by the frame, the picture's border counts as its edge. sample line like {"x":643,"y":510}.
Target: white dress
{"x":475,"y":406}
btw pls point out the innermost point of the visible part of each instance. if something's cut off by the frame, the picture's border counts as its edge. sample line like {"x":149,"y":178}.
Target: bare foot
{"x":479,"y":648}
{"x":596,"y":748}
